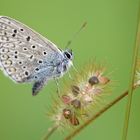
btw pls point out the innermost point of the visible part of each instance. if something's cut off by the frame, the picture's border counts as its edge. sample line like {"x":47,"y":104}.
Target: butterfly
{"x":26,"y":56}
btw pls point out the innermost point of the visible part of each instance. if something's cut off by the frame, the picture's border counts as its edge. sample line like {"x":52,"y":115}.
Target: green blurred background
{"x":109,"y":36}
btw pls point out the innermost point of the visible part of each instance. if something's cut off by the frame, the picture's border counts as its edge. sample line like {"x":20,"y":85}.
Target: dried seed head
{"x":93,"y":80}
{"x":81,"y":96}
{"x":66,"y":99}
{"x":76,"y":103}
{"x":75,"y":90}
{"x":104,"y":80}
{"x":74,"y":120}
{"x":67,"y":113}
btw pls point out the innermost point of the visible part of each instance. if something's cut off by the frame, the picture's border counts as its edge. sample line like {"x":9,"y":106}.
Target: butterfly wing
{"x":22,"y":50}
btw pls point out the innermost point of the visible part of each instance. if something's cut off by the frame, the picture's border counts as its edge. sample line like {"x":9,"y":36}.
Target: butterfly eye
{"x":67,"y":55}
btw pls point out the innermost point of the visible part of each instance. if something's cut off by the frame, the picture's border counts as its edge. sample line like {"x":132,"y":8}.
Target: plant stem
{"x":50,"y":132}
{"x":131,"y":82}
{"x":99,"y":113}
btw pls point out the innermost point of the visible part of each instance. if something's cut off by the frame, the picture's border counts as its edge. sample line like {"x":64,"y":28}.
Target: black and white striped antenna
{"x":76,"y":33}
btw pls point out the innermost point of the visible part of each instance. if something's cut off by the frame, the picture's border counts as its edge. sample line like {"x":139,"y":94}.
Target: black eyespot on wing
{"x":36,"y":77}
{"x":3,"y":50}
{"x":44,"y":53}
{"x":37,"y":69}
{"x":25,"y":49}
{"x":16,"y":52}
{"x":31,"y":57}
{"x":40,"y":61}
{"x":21,"y":29}
{"x":33,"y":46}
{"x":13,"y":35}
{"x":20,"y":62}
{"x":24,"y":67}
{"x":15,"y":31}
{"x":28,"y":38}
{"x":26,"y":73}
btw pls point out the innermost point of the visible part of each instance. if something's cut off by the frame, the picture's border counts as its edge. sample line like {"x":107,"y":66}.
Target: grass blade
{"x":132,"y":77}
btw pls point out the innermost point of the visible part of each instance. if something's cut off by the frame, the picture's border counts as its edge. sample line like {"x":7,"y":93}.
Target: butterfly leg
{"x":70,"y":76}
{"x":57,"y":84}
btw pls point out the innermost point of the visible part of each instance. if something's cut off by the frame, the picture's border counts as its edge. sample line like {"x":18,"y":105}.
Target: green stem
{"x":129,"y":101}
{"x":50,"y":132}
{"x":99,"y":113}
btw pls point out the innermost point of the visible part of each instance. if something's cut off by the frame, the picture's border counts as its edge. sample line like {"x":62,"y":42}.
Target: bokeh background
{"x":109,"y":36}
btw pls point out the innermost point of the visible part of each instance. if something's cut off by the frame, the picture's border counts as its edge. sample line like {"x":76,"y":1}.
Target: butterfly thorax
{"x":61,"y":64}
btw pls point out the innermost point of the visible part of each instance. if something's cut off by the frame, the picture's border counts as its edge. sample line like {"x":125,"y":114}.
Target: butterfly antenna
{"x":81,"y":28}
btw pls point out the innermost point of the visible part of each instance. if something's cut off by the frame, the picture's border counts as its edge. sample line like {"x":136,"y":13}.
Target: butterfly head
{"x":68,"y":54}
{"x":68,"y":57}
